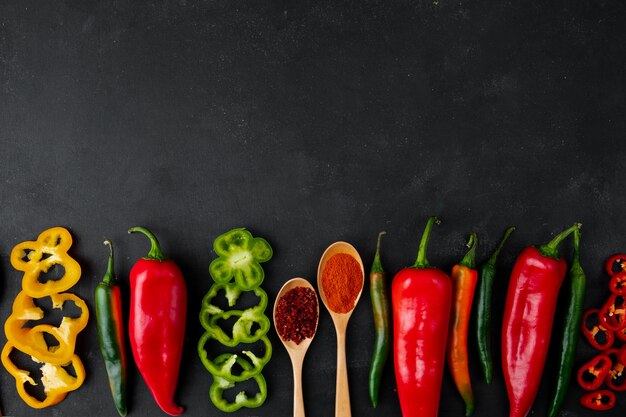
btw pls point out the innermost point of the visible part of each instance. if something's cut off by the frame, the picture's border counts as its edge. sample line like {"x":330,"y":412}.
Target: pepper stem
{"x":376,"y":265}
{"x":496,"y":252}
{"x":551,"y":249}
{"x":469,"y":260}
{"x":155,"y":249}
{"x":576,"y":257}
{"x":110,"y":274}
{"x":421,"y":262}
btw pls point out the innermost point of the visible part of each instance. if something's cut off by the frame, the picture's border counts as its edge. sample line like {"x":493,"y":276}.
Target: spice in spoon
{"x":342,"y":280}
{"x":296,"y":314}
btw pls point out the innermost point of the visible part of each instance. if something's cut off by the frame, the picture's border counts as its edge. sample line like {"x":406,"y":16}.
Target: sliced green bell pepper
{"x":242,"y":399}
{"x":210,"y":315}
{"x":239,"y":257}
{"x":219,"y":367}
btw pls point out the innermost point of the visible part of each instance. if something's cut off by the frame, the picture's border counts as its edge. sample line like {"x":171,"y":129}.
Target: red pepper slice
{"x":621,"y":335}
{"x":616,"y":379}
{"x":596,"y":334}
{"x":620,"y":260}
{"x":592,"y":374}
{"x":613,"y":313}
{"x":600,"y":400}
{"x":617,"y":284}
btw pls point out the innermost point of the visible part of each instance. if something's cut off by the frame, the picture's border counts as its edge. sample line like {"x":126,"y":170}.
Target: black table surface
{"x":308,"y":123}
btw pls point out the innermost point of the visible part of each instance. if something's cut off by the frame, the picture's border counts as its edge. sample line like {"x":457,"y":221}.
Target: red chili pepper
{"x":621,"y":354}
{"x":158,"y":308}
{"x":592,"y":374}
{"x":620,"y":260}
{"x":613,"y":313}
{"x":616,"y":378}
{"x":528,"y":316}
{"x":421,"y":298}
{"x":600,"y":400}
{"x":617,"y":284}
{"x":621,"y":334}
{"x":596,"y":334}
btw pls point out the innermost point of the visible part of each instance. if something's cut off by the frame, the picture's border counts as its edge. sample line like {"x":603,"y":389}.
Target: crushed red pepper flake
{"x":296,"y":314}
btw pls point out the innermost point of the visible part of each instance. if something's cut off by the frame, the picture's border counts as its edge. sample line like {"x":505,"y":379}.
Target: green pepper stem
{"x":576,"y":257}
{"x":421,"y":262}
{"x":155,"y":249}
{"x":376,"y":265}
{"x":469,"y":260}
{"x":496,"y":252}
{"x":551,"y":249}
{"x":109,"y":275}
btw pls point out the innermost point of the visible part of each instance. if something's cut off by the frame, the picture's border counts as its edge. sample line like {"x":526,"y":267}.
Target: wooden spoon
{"x":342,"y":395}
{"x":296,"y":352}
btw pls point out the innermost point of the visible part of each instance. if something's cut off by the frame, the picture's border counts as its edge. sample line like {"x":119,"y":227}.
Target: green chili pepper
{"x":110,"y":324}
{"x":380,"y":307}
{"x":239,"y":256}
{"x":487,"y":274}
{"x":569,"y":337}
{"x":241,"y":399}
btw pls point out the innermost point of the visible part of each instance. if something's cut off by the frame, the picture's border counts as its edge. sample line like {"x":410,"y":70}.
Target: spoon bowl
{"x":342,"y":395}
{"x":296,"y":351}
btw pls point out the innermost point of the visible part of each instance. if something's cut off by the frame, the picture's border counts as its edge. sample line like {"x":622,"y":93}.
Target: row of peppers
{"x":424,"y":299}
{"x":158,"y":306}
{"x":156,"y":326}
{"x":157,"y":317}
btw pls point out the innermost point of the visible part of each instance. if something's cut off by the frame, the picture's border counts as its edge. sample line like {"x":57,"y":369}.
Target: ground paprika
{"x":342,"y":280}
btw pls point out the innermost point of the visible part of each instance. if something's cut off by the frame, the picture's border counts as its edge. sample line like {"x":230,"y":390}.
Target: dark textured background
{"x":308,"y":122}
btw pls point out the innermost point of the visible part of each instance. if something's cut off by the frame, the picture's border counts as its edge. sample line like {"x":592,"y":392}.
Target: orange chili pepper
{"x":464,"y":278}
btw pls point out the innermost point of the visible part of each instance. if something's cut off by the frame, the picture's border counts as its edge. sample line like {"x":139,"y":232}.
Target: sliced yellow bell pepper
{"x":35,"y":258}
{"x":30,"y":340}
{"x":25,"y":335}
{"x":56,"y":380}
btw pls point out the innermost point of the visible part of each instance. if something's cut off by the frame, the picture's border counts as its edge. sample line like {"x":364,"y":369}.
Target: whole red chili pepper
{"x":158,"y":308}
{"x":421,"y":298}
{"x":528,"y":316}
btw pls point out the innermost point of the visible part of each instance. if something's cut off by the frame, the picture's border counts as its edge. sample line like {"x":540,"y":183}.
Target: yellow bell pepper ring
{"x":37,"y":257}
{"x":56,"y":380}
{"x":31,"y":341}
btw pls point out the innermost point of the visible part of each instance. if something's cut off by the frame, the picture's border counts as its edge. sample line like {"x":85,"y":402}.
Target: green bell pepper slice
{"x":210,"y":315}
{"x":232,"y":293}
{"x":239,"y":257}
{"x":242,"y":399}
{"x":242,"y":328}
{"x":219,"y":367}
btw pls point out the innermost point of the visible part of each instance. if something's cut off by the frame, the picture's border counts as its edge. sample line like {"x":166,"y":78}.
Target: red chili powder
{"x":342,"y":280}
{"x":296,"y":314}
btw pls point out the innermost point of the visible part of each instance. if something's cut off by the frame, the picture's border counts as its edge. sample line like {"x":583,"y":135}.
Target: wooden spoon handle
{"x":298,"y":400}
{"x":342,"y":398}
